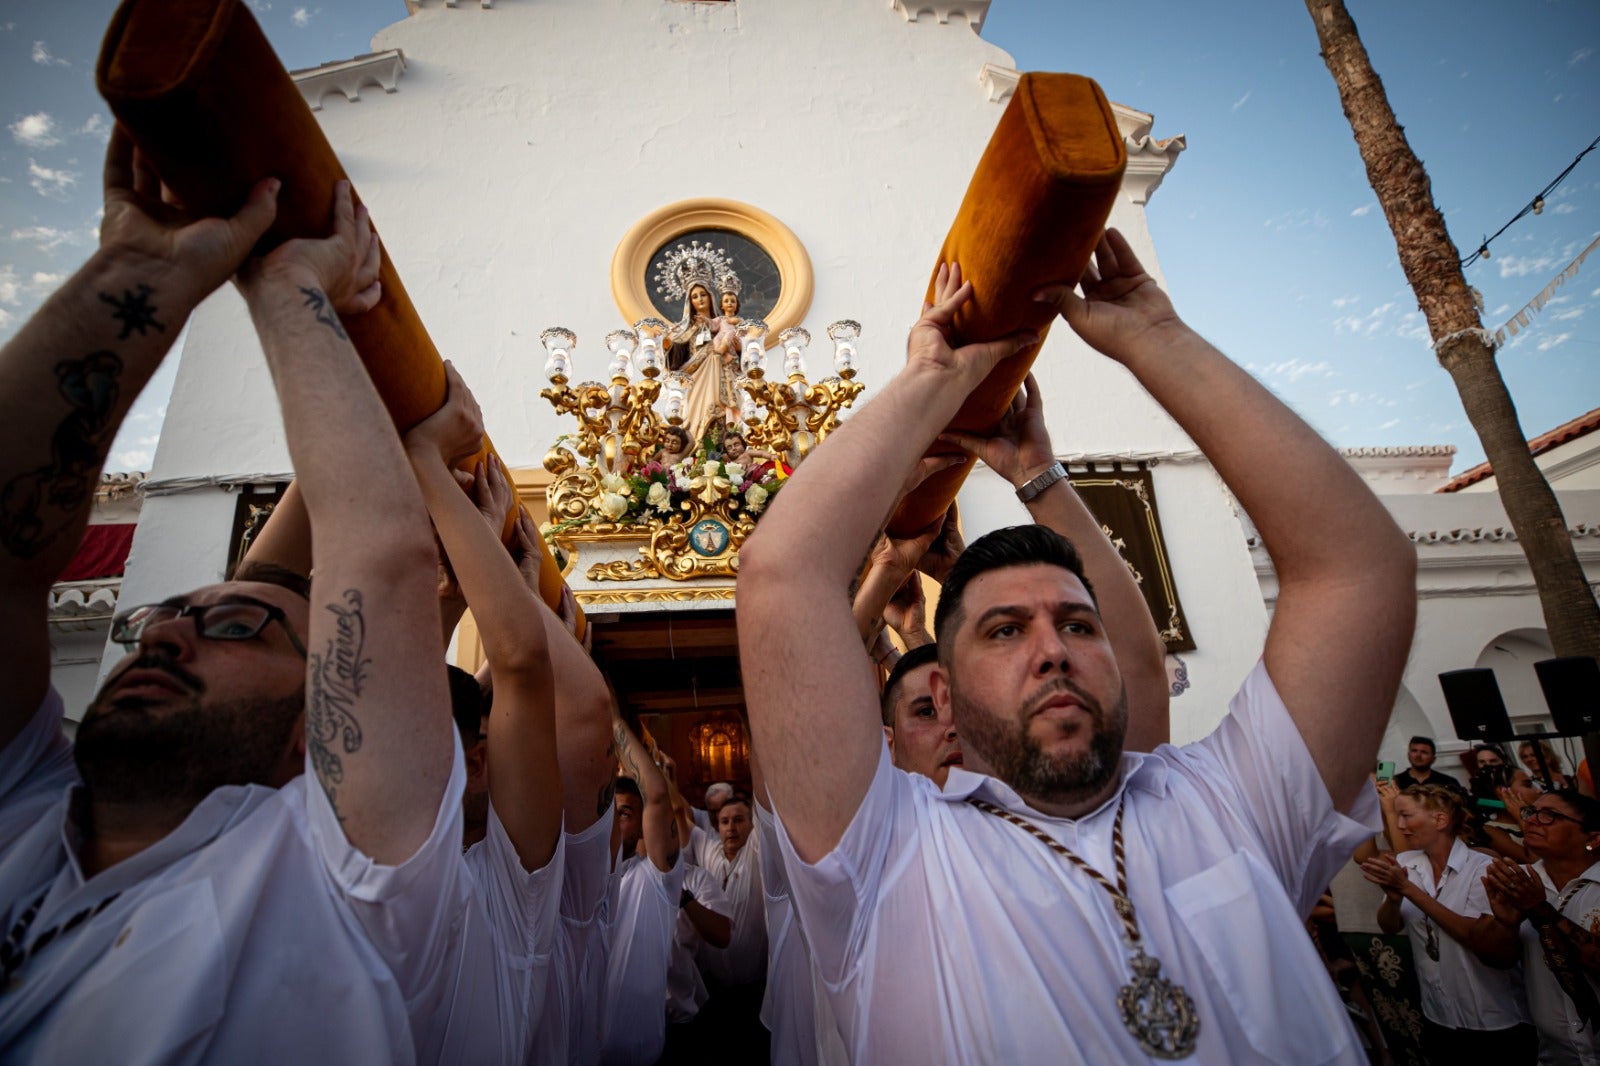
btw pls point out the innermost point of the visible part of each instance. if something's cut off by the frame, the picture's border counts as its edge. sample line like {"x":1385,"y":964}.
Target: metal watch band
{"x":1041,"y":482}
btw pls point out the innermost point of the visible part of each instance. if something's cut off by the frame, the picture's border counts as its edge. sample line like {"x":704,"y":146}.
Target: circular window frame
{"x":631,"y":261}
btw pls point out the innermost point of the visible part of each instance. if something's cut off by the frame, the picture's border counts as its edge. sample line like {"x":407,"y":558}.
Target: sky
{"x":1269,"y":236}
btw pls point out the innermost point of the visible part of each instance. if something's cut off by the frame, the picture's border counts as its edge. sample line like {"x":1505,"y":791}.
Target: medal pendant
{"x":1158,"y":1013}
{"x":1431,"y":946}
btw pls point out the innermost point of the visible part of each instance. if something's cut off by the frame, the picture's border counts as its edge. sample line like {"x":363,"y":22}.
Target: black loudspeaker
{"x":1572,"y":691}
{"x":1477,"y":709}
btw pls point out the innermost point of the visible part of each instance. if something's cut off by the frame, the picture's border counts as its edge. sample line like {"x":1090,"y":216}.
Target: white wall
{"x":525,"y":140}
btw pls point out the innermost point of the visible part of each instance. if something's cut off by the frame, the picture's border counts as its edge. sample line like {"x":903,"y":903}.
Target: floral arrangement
{"x":657,"y":491}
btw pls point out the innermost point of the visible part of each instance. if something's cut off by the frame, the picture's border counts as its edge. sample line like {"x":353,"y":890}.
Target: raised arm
{"x":378,"y":727}
{"x":1347,"y":575}
{"x":660,"y":840}
{"x":68,"y":378}
{"x":524,"y":777}
{"x":1019,"y":451}
{"x":794,"y":583}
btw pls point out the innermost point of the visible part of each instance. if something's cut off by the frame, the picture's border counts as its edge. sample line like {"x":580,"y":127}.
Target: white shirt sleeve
{"x":522,"y":906}
{"x":836,"y":897}
{"x":37,"y":764}
{"x":1259,"y":773}
{"x":706,"y":892}
{"x":409,"y":912}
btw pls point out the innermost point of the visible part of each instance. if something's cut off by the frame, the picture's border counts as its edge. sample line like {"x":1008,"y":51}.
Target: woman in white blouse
{"x":1472,"y":1003}
{"x":1555,"y":903}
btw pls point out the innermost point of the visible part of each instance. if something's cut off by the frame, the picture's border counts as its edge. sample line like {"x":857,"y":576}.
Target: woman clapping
{"x":1472,"y":1008}
{"x":1556,"y":904}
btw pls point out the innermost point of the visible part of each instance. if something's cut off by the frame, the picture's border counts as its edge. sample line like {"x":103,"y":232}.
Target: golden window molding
{"x":632,"y":262}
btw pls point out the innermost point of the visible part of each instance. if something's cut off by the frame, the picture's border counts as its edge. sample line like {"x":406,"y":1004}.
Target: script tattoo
{"x":134,"y":311}
{"x":89,"y":385}
{"x":318,"y":302}
{"x":337,"y":678}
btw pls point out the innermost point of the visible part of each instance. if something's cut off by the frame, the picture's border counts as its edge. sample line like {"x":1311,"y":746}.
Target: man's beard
{"x":1016,"y":757}
{"x":129,"y":750}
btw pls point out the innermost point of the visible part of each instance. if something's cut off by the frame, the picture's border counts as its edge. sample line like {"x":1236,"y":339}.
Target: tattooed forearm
{"x":37,"y":506}
{"x":626,"y":750}
{"x":317,"y":300}
{"x":337,"y":677}
{"x":134,"y":311}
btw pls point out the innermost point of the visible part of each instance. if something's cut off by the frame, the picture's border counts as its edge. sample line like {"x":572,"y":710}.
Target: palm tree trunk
{"x":1432,"y":265}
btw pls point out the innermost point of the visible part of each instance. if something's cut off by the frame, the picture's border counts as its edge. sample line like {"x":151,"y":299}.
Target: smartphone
{"x":1385,"y":771}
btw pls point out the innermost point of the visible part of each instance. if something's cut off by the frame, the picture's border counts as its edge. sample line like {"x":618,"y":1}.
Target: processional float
{"x":203,"y":95}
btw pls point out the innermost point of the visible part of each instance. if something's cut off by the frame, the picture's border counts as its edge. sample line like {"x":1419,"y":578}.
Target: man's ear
{"x":477,"y":759}
{"x":888,"y":736}
{"x":939,"y":689}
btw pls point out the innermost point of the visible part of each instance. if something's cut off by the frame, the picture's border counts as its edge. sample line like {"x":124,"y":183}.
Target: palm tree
{"x":1432,"y":266}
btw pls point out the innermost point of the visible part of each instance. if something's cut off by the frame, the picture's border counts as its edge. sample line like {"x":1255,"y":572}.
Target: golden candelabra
{"x":791,"y":417}
{"x":617,"y":423}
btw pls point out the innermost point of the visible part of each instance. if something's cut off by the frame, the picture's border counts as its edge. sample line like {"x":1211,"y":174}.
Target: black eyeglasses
{"x":234,"y":620}
{"x":1546,"y":816}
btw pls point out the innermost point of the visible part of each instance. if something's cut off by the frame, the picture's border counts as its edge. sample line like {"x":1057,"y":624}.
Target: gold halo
{"x":631,"y":261}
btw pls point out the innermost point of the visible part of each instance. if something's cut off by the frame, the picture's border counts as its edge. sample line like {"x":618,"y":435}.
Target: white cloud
{"x":96,"y":127}
{"x":1293,"y":369}
{"x":1341,"y":302}
{"x":1520,"y":266}
{"x":1569,"y":314}
{"x":1554,"y":342}
{"x":1362,"y":212}
{"x":44,"y":283}
{"x":1563,"y":209}
{"x":260,"y":7}
{"x":7,"y":27}
{"x":45,"y":238}
{"x":301,"y":18}
{"x":10,"y":287}
{"x":48,"y":181}
{"x":1390,"y":424}
{"x":1237,"y":104}
{"x":1579,"y":56}
{"x":35,"y":131}
{"x":42,"y":56}
{"x":1498,"y":311}
{"x":6,"y":318}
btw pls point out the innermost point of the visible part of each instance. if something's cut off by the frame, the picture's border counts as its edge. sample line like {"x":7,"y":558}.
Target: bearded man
{"x":1060,"y":899}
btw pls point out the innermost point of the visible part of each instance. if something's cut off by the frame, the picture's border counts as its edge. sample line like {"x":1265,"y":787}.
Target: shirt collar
{"x":1418,"y":860}
{"x":1138,"y":772}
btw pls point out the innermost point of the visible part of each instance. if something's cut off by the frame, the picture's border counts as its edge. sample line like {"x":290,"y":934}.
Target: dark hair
{"x":737,"y":797}
{"x":1587,"y":807}
{"x":722,"y":441}
{"x":627,"y":786}
{"x":1424,"y":740}
{"x":919,"y":656}
{"x":1480,"y":748}
{"x":680,"y":434}
{"x":273,"y":574}
{"x":1012,"y":546}
{"x":467,"y":704}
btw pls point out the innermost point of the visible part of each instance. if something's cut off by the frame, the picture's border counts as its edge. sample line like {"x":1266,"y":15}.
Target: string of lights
{"x":1535,"y":206}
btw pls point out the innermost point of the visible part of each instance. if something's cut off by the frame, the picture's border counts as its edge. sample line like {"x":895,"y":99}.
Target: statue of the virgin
{"x":700,"y":347}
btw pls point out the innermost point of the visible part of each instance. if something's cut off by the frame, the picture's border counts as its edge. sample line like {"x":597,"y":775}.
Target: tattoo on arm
{"x":337,"y":677}
{"x":89,"y":385}
{"x":317,"y":300}
{"x":134,"y":311}
{"x":625,"y":751}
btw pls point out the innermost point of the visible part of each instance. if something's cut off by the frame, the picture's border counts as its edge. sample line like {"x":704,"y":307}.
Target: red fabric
{"x":102,"y":553}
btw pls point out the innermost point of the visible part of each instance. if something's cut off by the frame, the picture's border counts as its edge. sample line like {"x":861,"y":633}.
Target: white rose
{"x":614,"y":483}
{"x":613,"y":506}
{"x":735,"y":472}
{"x":712,"y":468}
{"x":680,"y":480}
{"x":659,"y":498}
{"x":755,"y":498}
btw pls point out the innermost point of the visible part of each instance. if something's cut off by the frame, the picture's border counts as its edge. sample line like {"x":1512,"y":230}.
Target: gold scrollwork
{"x":601,"y":597}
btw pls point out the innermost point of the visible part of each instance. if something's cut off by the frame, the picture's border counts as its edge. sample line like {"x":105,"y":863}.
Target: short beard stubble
{"x":1017,"y":758}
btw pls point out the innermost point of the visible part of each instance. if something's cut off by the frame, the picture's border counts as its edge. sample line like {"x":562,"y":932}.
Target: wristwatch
{"x":1054,"y":473}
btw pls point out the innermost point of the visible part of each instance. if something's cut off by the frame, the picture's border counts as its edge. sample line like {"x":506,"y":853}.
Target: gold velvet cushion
{"x":1037,"y":203}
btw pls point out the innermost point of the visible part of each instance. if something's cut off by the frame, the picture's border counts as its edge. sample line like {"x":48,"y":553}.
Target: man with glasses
{"x":253,"y":850}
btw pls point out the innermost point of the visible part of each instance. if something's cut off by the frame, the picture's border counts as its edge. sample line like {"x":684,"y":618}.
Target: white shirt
{"x":945,"y":934}
{"x":686,"y":989}
{"x":1460,"y":991}
{"x":795,"y":1009}
{"x":744,"y":960}
{"x":644,"y":913}
{"x":569,"y":1029}
{"x":253,"y":932}
{"x":1564,"y":1040}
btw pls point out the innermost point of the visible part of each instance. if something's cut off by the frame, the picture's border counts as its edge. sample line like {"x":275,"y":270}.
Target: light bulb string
{"x":1536,"y":205}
